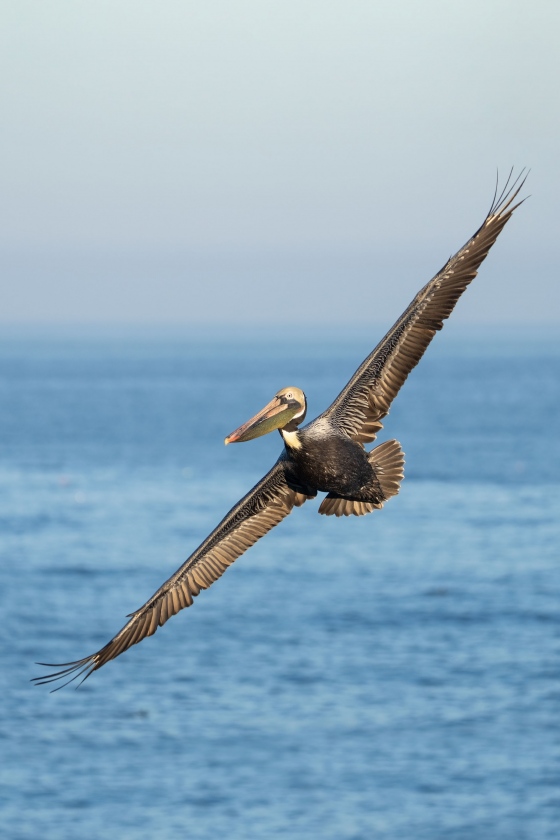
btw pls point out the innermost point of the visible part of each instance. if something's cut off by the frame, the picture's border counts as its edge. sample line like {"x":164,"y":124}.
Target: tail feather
{"x":388,"y":463}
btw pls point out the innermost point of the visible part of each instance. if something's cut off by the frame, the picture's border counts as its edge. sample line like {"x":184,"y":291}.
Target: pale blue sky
{"x":256,"y":161}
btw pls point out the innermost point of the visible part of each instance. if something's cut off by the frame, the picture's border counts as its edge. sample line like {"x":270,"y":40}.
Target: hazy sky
{"x":257,"y":161}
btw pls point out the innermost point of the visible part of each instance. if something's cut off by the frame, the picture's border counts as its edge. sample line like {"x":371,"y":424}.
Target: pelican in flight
{"x":327,"y":455}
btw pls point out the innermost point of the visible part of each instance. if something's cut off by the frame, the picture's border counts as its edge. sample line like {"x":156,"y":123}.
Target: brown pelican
{"x":327,"y":455}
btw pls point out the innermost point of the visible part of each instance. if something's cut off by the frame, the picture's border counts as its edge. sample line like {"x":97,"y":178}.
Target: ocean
{"x":390,"y":676}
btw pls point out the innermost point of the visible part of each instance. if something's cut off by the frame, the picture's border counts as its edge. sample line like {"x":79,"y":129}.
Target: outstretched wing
{"x":366,"y":399}
{"x":260,"y":510}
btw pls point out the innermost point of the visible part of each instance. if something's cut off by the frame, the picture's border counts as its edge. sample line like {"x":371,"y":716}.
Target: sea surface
{"x":393,"y":676}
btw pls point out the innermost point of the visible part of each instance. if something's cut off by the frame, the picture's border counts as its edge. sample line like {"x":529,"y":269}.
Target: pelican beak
{"x":275,"y":415}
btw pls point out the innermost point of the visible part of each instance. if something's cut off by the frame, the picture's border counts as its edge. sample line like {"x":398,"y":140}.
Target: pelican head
{"x":286,"y":410}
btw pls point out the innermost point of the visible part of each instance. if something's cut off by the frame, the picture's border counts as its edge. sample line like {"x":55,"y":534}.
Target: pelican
{"x":327,"y":455}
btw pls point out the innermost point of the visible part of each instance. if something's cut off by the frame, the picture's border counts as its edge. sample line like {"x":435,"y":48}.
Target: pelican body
{"x":321,"y":458}
{"x":327,"y":455}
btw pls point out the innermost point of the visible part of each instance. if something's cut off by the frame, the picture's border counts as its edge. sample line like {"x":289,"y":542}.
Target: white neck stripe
{"x":291,"y":439}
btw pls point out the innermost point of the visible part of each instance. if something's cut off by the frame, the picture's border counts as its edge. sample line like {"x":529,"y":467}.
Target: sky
{"x":243,"y":162}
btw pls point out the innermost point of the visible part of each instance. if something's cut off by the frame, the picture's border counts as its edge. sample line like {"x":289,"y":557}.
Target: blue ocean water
{"x":393,"y":676}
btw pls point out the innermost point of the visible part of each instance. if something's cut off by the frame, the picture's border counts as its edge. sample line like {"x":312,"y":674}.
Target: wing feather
{"x":365,"y":401}
{"x":260,"y":510}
